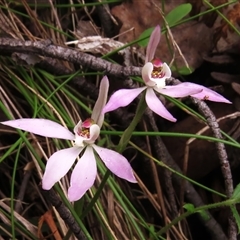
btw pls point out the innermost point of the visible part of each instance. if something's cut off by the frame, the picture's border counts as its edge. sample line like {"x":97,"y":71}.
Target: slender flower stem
{"x":128,"y":132}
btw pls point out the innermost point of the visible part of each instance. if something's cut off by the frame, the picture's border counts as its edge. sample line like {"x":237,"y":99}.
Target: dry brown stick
{"x":64,"y":212}
{"x":221,"y":150}
{"x":46,"y":48}
{"x":105,"y":18}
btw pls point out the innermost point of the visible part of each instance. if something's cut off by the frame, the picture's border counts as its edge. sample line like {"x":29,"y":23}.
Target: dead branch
{"x":48,"y":49}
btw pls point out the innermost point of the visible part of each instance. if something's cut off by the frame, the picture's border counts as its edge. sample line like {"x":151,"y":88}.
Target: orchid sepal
{"x":153,"y":43}
{"x":122,"y":98}
{"x":83,"y":175}
{"x":116,"y":163}
{"x":97,"y":113}
{"x":58,"y":165}
{"x":42,"y":127}
{"x":206,"y":93}
{"x":156,"y":105}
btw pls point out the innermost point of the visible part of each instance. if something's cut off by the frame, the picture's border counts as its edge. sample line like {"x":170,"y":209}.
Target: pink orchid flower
{"x":154,"y":74}
{"x":86,"y":133}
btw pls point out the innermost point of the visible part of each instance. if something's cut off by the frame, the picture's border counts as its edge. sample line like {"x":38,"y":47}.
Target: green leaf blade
{"x":178,"y":13}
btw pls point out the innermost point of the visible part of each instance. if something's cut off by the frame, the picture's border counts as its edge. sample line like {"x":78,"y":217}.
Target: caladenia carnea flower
{"x":84,"y":137}
{"x":154,"y":74}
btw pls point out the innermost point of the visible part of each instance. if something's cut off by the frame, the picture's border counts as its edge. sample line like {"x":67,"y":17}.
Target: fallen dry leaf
{"x":138,"y":15}
{"x":26,"y":59}
{"x":193,"y":38}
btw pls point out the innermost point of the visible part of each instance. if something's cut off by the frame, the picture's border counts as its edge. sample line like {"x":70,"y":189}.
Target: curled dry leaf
{"x":225,"y":77}
{"x":48,"y":218}
{"x":193,"y":38}
{"x":236,"y":87}
{"x":219,"y":59}
{"x":84,"y":29}
{"x":90,"y":42}
{"x":225,"y":37}
{"x":97,"y":45}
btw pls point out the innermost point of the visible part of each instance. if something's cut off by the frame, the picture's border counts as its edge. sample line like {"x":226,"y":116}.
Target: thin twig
{"x":221,"y":150}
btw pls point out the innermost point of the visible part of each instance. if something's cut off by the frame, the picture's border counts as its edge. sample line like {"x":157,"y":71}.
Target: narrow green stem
{"x":12,"y":191}
{"x":128,"y":132}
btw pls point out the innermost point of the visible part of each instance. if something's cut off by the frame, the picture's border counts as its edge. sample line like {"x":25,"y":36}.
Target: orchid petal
{"x":180,"y":90}
{"x":156,"y":105}
{"x":166,"y":70}
{"x":206,"y":94}
{"x":42,"y":127}
{"x":94,"y":134}
{"x":83,"y":175}
{"x":77,"y":127}
{"x":116,"y":163}
{"x":97,"y":114}
{"x":58,"y":165}
{"x":122,"y":98}
{"x":152,"y":44}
